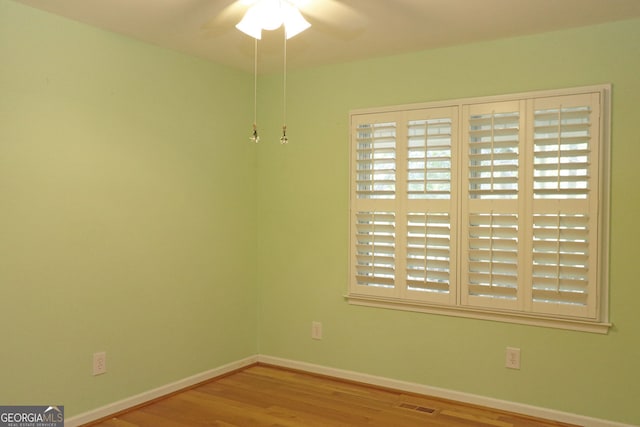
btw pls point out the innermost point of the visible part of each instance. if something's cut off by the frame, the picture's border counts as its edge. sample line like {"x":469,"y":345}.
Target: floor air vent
{"x":417,"y":408}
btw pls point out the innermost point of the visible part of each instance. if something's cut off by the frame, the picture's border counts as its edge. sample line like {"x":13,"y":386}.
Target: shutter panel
{"x":561,"y":148}
{"x":493,"y":256}
{"x":492,"y":228}
{"x":428,"y":252}
{"x":375,"y":249}
{"x":374,"y":204}
{"x":560,"y":259}
{"x":564,"y":206}
{"x":429,"y":158}
{"x":430,"y":200}
{"x":493,"y":149}
{"x":376,"y":160}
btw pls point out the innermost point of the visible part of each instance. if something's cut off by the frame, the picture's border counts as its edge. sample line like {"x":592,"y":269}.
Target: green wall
{"x":127,"y":213}
{"x":303,"y":225}
{"x":133,"y":212}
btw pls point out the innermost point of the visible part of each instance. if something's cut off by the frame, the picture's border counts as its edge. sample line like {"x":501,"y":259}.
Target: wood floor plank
{"x":267,"y":396}
{"x":118,"y":423}
{"x":327,"y":397}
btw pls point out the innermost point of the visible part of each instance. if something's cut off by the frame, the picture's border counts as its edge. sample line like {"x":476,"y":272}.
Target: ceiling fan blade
{"x":228,"y":17}
{"x":334,"y":12}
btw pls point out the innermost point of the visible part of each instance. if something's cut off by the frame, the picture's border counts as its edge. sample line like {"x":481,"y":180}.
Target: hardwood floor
{"x":263,"y":395}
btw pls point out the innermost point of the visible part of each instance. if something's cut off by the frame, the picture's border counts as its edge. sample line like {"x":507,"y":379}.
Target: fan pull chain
{"x":283,"y":138}
{"x":254,"y":135}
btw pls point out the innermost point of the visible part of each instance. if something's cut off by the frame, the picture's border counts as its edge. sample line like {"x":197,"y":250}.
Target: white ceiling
{"x":342,"y":30}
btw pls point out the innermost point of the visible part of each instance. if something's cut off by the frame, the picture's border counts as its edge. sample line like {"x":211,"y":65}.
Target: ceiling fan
{"x":330,"y":16}
{"x":253,"y":16}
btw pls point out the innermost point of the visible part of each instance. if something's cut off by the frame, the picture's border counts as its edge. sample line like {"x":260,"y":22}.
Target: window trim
{"x":601,"y":323}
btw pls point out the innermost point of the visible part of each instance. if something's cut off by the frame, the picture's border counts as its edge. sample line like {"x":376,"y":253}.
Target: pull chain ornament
{"x":283,"y":138}
{"x":254,"y":136}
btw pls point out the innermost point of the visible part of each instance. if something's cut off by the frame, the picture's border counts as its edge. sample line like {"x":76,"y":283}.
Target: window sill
{"x":496,"y":316}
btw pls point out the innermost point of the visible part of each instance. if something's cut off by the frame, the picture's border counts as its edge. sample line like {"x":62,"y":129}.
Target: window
{"x":492,"y":208}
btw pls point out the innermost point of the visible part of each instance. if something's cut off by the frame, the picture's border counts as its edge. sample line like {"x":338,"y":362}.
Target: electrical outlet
{"x":99,"y":363}
{"x":513,"y":358}
{"x":316,"y":330}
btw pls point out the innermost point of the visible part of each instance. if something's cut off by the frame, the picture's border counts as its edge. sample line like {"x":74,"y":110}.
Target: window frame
{"x":451,"y":304}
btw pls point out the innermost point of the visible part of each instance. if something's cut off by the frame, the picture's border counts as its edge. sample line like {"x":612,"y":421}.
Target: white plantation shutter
{"x":429,"y":252}
{"x":561,"y":150}
{"x":375,"y":249}
{"x":429,"y":158}
{"x":490,"y":208}
{"x":493,"y":151}
{"x":561,"y":261}
{"x":493,"y":229}
{"x":376,"y":160}
{"x":564,"y":239}
{"x":430,"y":199}
{"x":373,"y":204}
{"x":401,"y":204}
{"x":493,"y":256}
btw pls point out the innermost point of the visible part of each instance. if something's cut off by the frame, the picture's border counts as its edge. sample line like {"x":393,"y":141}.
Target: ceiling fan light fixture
{"x":294,"y":22}
{"x":250,"y":24}
{"x":270,"y":15}
{"x":270,"y":12}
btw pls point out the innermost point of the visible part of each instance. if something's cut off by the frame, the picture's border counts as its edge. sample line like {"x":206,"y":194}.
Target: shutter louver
{"x":493,"y":155}
{"x":429,"y":159}
{"x":376,"y":161}
{"x":493,"y":255}
{"x":428,"y":252}
{"x":375,"y":249}
{"x":560,"y":259}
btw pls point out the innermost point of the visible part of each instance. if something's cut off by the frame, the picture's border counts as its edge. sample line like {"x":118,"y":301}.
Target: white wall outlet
{"x":513,"y":358}
{"x":316,"y":330}
{"x":99,"y":363}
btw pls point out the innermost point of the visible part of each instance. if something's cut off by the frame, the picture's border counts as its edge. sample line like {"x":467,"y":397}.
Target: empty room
{"x":427,"y":196}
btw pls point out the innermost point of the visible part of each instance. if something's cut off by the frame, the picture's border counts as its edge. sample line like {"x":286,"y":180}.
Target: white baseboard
{"x":504,"y":405}
{"x":147,"y":396}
